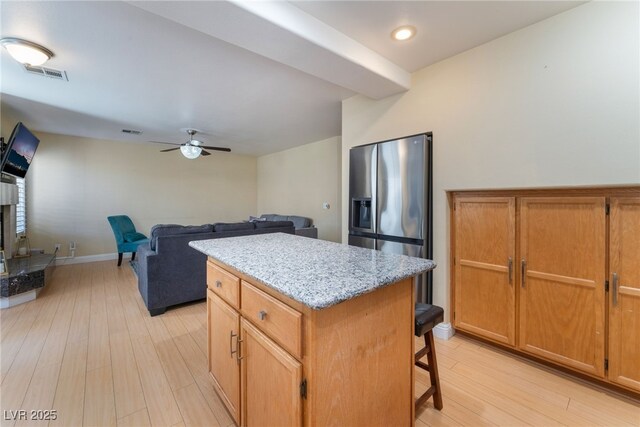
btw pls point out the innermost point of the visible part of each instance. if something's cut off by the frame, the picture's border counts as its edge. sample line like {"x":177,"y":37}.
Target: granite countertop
{"x":314,"y":272}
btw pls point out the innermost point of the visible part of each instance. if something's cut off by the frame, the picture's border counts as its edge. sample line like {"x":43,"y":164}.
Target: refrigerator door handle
{"x":374,"y":189}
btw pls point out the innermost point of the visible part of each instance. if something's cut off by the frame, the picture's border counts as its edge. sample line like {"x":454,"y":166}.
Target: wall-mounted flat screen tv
{"x":18,"y":154}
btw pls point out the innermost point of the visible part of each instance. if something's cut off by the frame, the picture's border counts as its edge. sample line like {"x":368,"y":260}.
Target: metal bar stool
{"x":427,"y":316}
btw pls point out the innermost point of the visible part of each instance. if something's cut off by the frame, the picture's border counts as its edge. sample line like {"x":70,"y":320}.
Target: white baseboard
{"x":443,"y":331}
{"x":88,"y":258}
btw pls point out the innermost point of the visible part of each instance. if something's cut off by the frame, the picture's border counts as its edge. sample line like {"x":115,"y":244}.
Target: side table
{"x":27,"y":276}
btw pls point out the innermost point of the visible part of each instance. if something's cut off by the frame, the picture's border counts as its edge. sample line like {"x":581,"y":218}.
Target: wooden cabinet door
{"x":562,"y":293}
{"x":624,"y":299}
{"x":224,"y":327}
{"x":270,"y":382}
{"x":484,"y":262}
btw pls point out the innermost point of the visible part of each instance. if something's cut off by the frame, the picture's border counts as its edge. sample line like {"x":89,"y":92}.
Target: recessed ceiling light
{"x":26,"y":52}
{"x":404,"y":33}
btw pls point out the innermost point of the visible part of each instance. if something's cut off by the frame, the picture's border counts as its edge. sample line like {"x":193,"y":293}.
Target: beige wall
{"x":297,"y":182}
{"x":75,"y":183}
{"x":6,"y":126}
{"x":7,"y":123}
{"x":9,"y":227}
{"x":554,"y":104}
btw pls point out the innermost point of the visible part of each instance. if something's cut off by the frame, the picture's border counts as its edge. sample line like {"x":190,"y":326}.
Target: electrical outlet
{"x":58,"y":245}
{"x":72,"y":246}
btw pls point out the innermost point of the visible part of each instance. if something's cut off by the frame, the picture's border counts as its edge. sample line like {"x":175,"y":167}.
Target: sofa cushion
{"x":274,"y":224}
{"x":235,"y":226}
{"x":299,"y":221}
{"x":133,"y":237}
{"x":256,"y":219}
{"x":274,"y":217}
{"x":268,"y":217}
{"x":175,"y":229}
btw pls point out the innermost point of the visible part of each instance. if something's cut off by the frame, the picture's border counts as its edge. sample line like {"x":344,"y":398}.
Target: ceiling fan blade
{"x":205,"y":153}
{"x":227,"y":150}
{"x":167,"y":143}
{"x":169,"y":149}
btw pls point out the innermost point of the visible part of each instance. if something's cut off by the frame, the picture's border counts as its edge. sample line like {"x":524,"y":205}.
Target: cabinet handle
{"x":615,"y":289}
{"x":231,"y":344}
{"x":238,"y":357}
{"x":510,"y":270}
{"x":523,"y":272}
{"x":218,"y":284}
{"x":262,"y":315}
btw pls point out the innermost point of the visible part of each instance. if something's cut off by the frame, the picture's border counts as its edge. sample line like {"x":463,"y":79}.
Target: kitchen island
{"x":309,"y":332}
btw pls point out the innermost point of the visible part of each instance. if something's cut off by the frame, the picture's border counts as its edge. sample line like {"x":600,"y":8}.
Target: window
{"x":21,"y":212}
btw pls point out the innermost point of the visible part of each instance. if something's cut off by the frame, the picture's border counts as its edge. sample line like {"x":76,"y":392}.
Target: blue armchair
{"x":127,"y":238}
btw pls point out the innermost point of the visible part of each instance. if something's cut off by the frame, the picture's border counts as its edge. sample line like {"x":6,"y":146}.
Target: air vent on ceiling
{"x":132,"y":132}
{"x":47,"y":72}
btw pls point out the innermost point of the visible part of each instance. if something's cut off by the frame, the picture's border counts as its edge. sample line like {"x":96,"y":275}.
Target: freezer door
{"x":400,"y":248}
{"x":362,"y":188}
{"x":401,"y":207}
{"x":421,"y":281}
{"x":362,"y":242}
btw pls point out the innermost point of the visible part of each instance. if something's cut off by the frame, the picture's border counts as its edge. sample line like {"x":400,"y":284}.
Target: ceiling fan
{"x":192,"y":149}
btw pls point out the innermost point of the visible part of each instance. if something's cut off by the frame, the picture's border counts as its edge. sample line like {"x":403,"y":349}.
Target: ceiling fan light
{"x":26,"y":52}
{"x":190,"y":151}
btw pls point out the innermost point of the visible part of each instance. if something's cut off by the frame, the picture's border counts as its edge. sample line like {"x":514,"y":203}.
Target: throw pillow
{"x":256,"y":219}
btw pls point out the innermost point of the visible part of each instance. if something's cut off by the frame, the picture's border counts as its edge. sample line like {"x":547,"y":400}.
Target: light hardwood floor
{"x":87,"y":348}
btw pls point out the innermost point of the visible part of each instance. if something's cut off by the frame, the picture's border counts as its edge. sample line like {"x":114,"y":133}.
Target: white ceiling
{"x":257,"y":77}
{"x":445,"y":28}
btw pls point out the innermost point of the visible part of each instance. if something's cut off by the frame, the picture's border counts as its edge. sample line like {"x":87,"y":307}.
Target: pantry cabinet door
{"x":562,"y":280}
{"x":624,"y":298}
{"x":484,"y":267}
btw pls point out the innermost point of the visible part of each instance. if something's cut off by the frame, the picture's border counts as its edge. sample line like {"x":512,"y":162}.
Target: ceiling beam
{"x":280,"y":31}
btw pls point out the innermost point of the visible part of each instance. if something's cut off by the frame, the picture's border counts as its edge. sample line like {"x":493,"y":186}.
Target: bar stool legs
{"x":427,"y":316}
{"x":432,"y":368}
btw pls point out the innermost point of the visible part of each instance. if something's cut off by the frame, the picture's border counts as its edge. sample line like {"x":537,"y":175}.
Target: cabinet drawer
{"x":277,"y":320}
{"x":225,"y":284}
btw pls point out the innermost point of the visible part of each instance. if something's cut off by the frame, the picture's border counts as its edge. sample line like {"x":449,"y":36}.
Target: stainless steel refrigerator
{"x":390,"y":209}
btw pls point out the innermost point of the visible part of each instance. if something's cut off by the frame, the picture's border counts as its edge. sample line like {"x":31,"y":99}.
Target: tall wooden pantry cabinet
{"x":554,"y":274}
{"x":485,"y":253}
{"x":624,"y":300}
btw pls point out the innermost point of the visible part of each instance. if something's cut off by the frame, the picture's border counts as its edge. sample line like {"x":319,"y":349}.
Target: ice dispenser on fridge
{"x":361,"y":211}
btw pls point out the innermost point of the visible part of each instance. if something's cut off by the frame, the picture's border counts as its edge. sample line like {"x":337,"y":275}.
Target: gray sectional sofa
{"x":304,"y":226}
{"x":171,"y":272}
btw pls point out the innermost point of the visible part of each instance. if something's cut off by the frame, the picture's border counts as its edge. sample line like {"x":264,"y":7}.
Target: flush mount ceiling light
{"x":26,"y":52}
{"x":404,"y":33}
